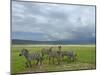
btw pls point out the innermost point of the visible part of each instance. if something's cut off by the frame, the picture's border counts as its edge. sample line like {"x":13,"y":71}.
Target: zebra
{"x":30,"y":57}
{"x":45,"y":51}
{"x":54,"y":54}
{"x":70,"y":54}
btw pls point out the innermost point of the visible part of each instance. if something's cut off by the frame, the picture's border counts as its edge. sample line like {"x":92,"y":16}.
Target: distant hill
{"x":19,"y":41}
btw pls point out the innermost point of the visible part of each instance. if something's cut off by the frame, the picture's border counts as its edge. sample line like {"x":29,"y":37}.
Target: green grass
{"x":86,"y":60}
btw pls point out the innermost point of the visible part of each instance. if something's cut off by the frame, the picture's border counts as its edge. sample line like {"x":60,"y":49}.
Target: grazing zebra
{"x":45,"y":51}
{"x":30,"y":57}
{"x":70,"y":54}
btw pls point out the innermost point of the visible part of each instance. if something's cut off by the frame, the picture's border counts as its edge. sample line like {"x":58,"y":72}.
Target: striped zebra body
{"x":30,"y":57}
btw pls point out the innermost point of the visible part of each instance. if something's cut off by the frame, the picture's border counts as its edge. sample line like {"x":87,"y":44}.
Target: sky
{"x":50,"y":22}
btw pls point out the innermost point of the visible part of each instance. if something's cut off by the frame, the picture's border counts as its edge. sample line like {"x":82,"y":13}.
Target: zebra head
{"x":24,"y":52}
{"x":59,"y":47}
{"x":50,"y":49}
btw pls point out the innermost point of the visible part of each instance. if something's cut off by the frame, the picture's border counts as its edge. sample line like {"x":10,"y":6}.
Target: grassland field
{"x":86,"y":59}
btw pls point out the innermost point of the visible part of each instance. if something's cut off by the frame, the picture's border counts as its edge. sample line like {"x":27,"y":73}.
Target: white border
{"x":5,"y":37}
{"x":89,"y":2}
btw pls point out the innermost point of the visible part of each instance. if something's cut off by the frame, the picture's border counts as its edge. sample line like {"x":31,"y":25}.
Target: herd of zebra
{"x":50,"y":53}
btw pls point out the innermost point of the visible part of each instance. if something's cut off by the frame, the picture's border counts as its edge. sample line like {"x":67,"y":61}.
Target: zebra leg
{"x":42,"y":55}
{"x":62,"y":57}
{"x":74,"y":58}
{"x":30,"y":64}
{"x":40,"y":62}
{"x":49,"y":60}
{"x":37,"y":62}
{"x":26,"y":64}
{"x":58,"y":60}
{"x":53,"y":60}
{"x":41,"y":59}
{"x":69,"y":58}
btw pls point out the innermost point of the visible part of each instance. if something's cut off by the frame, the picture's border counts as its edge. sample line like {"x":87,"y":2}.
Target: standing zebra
{"x":55,"y":54}
{"x":70,"y":54}
{"x":30,"y":57}
{"x":45,"y":51}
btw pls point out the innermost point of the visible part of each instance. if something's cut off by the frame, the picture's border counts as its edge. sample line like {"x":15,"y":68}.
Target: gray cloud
{"x":53,"y":20}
